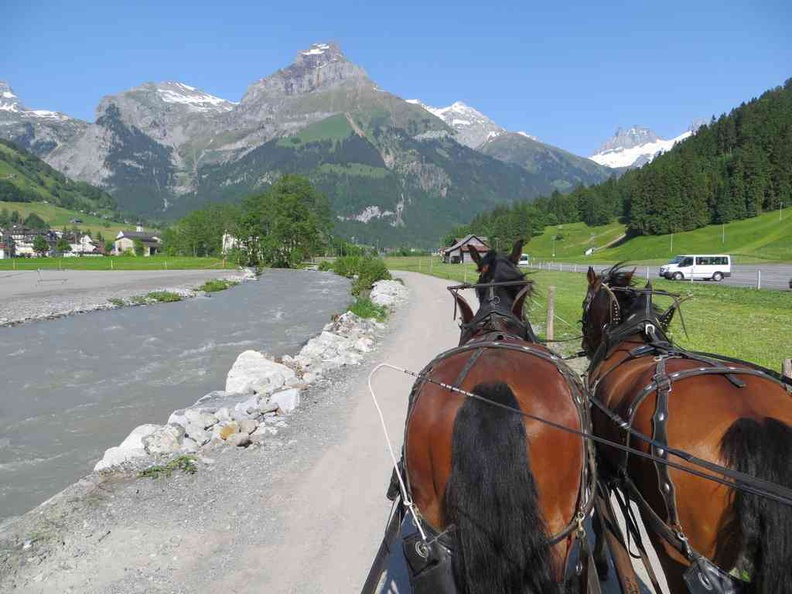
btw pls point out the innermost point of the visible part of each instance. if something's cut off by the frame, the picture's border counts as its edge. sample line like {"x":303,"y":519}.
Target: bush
{"x":365,"y":308}
{"x":164,"y":296}
{"x":325,"y":265}
{"x":217,"y":284}
{"x":367,"y":269}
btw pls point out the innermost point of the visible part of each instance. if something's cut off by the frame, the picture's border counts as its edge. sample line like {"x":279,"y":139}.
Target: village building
{"x":459,"y":251}
{"x":6,"y":245}
{"x":83,"y":246}
{"x":125,"y":242}
{"x":23,"y":238}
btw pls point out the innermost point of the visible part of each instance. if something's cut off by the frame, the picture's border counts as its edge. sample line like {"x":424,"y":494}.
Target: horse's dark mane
{"x":619,"y":275}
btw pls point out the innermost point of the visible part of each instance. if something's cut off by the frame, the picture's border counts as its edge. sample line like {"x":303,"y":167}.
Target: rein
{"x":735,"y":479}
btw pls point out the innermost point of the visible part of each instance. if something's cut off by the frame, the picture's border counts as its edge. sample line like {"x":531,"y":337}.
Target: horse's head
{"x":602,"y":307}
{"x":494,"y":267}
{"x":505,"y":295}
{"x":612,"y":301}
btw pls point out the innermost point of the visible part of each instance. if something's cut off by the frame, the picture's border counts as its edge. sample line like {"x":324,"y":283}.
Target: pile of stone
{"x":259,"y":392}
{"x":388,"y":293}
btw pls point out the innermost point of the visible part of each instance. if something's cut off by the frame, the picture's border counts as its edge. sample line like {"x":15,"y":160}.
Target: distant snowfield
{"x":180,"y":93}
{"x":621,"y":157}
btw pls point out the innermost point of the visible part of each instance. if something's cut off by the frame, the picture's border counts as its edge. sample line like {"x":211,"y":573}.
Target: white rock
{"x":287,"y":400}
{"x":129,"y":449}
{"x":178,"y":417}
{"x":388,"y":293}
{"x":197,"y":433}
{"x":247,"y":426}
{"x":253,"y":372}
{"x":246,"y":408}
{"x":239,"y":439}
{"x":189,"y":445}
{"x":164,"y":440}
{"x":199,"y":417}
{"x":223,"y":414}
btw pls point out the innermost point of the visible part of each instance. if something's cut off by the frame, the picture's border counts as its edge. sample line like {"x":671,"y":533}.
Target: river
{"x":70,"y":388}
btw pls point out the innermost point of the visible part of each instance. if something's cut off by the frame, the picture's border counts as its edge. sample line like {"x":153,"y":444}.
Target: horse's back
{"x":540,"y":389}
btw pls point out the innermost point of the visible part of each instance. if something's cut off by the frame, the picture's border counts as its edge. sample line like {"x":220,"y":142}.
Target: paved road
{"x":769,"y":276}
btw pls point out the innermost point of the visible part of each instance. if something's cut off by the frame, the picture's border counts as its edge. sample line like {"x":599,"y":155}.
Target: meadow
{"x":733,"y":321}
{"x":115,"y":263}
{"x":766,"y":238}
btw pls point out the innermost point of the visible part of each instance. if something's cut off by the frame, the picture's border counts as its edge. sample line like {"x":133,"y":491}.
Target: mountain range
{"x":636,"y":146}
{"x":394,"y":170}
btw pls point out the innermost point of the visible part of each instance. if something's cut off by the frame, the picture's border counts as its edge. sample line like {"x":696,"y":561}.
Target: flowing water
{"x":70,"y":388}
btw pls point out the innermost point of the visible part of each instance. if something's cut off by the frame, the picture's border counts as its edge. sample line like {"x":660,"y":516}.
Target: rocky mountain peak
{"x":8,"y":100}
{"x":473,"y":127}
{"x":633,"y":147}
{"x":11,"y":106}
{"x":629,"y":138}
{"x":319,"y":54}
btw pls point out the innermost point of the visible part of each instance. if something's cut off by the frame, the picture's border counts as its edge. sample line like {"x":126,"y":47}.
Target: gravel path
{"x":31,"y":294}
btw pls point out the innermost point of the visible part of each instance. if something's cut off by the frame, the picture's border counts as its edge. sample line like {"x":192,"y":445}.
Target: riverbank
{"x":33,"y":295}
{"x":47,"y":549}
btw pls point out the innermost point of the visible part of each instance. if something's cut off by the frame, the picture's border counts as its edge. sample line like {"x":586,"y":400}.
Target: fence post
{"x":786,"y":368}
{"x":758,"y":279}
{"x":647,"y":273}
{"x":550,"y":311}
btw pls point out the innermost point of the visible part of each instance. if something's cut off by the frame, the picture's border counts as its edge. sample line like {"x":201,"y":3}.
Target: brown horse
{"x":504,"y":489}
{"x":728,"y":413}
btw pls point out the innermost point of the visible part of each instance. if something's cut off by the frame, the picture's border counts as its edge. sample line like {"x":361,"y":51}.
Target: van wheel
{"x":717,"y":277}
{"x":677,"y":276}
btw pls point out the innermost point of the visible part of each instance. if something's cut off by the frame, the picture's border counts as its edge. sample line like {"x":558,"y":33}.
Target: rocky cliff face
{"x":38,"y":130}
{"x":472,"y":127}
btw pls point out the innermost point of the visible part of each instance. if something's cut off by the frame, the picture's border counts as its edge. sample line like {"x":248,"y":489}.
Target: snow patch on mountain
{"x":634,"y":147}
{"x":176,"y":92}
{"x":531,"y":136}
{"x":473,"y":127}
{"x":10,"y":103}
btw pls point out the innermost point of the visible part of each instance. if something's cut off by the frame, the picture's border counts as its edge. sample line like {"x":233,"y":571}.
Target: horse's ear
{"x":591,"y":276}
{"x":476,"y":256}
{"x":517,"y":251}
{"x":464,"y":308}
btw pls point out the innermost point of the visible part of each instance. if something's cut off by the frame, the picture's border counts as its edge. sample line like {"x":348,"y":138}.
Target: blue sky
{"x":568,"y":72}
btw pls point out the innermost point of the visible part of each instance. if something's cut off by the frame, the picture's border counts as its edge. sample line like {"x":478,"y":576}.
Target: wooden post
{"x":786,"y":368}
{"x":758,"y":279}
{"x":550,"y":311}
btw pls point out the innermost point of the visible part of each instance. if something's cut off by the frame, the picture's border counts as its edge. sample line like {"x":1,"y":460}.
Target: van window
{"x":702,"y":260}
{"x":676,"y":260}
{"x":686,"y":262}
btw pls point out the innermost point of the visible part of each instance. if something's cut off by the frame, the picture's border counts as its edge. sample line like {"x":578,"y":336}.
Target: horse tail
{"x":492,"y":501}
{"x":761,"y":526}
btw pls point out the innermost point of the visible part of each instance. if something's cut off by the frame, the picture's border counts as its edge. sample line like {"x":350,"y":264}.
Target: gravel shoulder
{"x":27,"y":295}
{"x":304,"y":512}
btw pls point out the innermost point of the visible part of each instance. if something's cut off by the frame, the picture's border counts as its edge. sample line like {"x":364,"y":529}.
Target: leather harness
{"x":662,"y":350}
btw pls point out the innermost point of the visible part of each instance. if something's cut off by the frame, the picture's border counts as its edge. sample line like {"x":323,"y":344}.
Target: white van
{"x":524,"y":261}
{"x":702,"y":267}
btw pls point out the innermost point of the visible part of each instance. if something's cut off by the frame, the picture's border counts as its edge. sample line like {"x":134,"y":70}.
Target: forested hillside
{"x":736,"y":167}
{"x":26,"y":178}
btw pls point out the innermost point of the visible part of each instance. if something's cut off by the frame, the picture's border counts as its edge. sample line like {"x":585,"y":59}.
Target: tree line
{"x":737,"y":166}
{"x":280,"y":227}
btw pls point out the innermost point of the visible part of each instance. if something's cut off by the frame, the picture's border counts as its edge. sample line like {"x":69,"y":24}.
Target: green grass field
{"x":765,"y":238}
{"x":114,"y":263}
{"x":745,"y":323}
{"x":57,"y":218}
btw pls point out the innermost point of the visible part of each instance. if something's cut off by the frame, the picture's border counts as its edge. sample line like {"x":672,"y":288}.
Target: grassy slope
{"x":736,"y":322}
{"x":114,"y":263}
{"x":761,"y":239}
{"x":58,"y":218}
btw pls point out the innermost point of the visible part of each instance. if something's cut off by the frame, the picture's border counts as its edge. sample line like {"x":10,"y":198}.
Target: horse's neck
{"x":617,"y":355}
